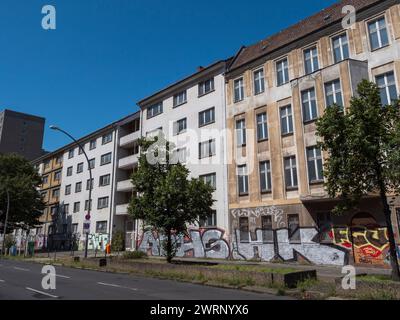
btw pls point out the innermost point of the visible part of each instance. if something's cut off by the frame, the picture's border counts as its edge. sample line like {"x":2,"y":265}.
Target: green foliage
{"x":9,"y":241}
{"x":134,"y":255}
{"x":20,"y":178}
{"x":363,"y":146}
{"x":167,"y":200}
{"x":118,"y":241}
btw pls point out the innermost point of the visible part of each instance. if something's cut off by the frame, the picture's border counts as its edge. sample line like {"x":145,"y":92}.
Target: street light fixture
{"x":87,"y":217}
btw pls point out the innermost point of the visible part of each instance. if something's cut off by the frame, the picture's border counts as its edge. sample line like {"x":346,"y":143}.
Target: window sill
{"x":243,"y":194}
{"x":284,"y":135}
{"x":383,"y":47}
{"x":262,"y":140}
{"x":292,"y":188}
{"x":178,"y":105}
{"x":305,"y":122}
{"x":204,"y":94}
{"x":258,"y":93}
{"x":267,"y":192}
{"x":316,"y":182}
{"x":206,"y":124}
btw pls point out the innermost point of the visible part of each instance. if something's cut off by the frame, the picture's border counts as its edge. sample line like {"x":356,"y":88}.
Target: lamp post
{"x":87,"y":217}
{"x":5,"y":223}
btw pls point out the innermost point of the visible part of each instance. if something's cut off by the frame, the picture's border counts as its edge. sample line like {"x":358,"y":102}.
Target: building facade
{"x":191,"y":114}
{"x":276,"y":90}
{"x":21,"y":133}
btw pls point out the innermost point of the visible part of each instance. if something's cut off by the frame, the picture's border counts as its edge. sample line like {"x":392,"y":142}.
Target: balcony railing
{"x":121,"y":209}
{"x":125,"y":186}
{"x":129,"y":140}
{"x":128,"y":162}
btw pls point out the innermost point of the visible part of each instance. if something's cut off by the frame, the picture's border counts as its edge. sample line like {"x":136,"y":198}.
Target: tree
{"x":363,"y":146}
{"x":118,"y":241}
{"x":167,"y":200}
{"x":21,"y":180}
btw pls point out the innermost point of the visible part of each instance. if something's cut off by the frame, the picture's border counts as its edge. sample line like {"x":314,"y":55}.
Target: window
{"x":179,"y":155}
{"x":105,"y":159}
{"x":238,"y":89}
{"x":101,"y":227}
{"x":55,"y":193}
{"x":66,"y":208}
{"x":107,"y":138}
{"x":311,"y":60}
{"x":290,"y":172}
{"x":387,"y":88}
{"x":282,"y":72}
{"x":104,"y":180}
{"x":241,"y":132}
{"x":87,"y":205}
{"x":54,"y":210}
{"x":378,"y":35}
{"x":244,"y":229}
{"x":77,"y":206}
{"x":207,"y":149}
{"x":68,"y":190}
{"x":59,"y":160}
{"x":89,"y":184}
{"x":265,"y":176}
{"x":80,"y":150}
{"x":340,"y":46}
{"x":309,"y":105}
{"x":206,"y":117}
{"x":47,"y":164}
{"x":154,"y":110}
{"x":136,"y":125}
{"x":180,"y":126}
{"x":210,"y":221}
{"x":79,"y":168}
{"x":333,"y":93}
{"x":92,"y":144}
{"x":102,"y":203}
{"x":210,"y":179}
{"x":259,"y":85}
{"x":294,"y":228}
{"x":243,"y":180}
{"x":57,"y":176}
{"x":314,"y":163}
{"x":70,"y":153}
{"x":267,"y":231}
{"x":324,"y":226}
{"x":92,"y":163}
{"x":206,"y":86}
{"x":262,"y":126}
{"x":286,"y":120}
{"x":45,"y":180}
{"x":69,"y":171}
{"x":180,"y":98}
{"x":78,"y":187}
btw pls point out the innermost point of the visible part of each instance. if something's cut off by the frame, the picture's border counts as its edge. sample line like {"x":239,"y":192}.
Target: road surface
{"x":21,"y":280}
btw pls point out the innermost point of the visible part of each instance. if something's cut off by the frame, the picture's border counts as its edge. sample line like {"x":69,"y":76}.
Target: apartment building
{"x":21,"y":133}
{"x":191,"y":114}
{"x":50,"y":168}
{"x":275,"y":90}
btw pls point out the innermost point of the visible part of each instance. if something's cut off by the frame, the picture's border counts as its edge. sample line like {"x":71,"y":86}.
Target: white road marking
{"x":61,"y":276}
{"x":21,"y":269}
{"x":41,"y":292}
{"x":2,"y":280}
{"x":115,"y":286}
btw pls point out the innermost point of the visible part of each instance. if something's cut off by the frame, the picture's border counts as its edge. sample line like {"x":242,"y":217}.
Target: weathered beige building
{"x":276,"y":89}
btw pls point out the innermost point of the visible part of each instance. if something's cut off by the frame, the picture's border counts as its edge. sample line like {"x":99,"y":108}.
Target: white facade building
{"x":191,"y":114}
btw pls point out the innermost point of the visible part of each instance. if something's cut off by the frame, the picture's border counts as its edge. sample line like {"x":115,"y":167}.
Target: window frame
{"x":261,"y":81}
{"x":277,"y":63}
{"x":241,"y":89}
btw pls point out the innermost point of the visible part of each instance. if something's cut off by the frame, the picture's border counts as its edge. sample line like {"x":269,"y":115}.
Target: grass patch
{"x":307,"y":284}
{"x":134,"y":255}
{"x":377,"y":278}
{"x":245,"y":268}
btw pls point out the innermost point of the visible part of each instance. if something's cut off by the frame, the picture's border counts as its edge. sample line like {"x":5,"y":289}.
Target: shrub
{"x":134,"y":255}
{"x":117,"y":242}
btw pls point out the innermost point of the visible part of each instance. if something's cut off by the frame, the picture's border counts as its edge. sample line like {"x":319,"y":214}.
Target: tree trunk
{"x":392,"y":242}
{"x":169,"y":246}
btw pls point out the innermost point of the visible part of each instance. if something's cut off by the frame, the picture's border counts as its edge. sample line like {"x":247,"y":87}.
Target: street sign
{"x":86,"y":226}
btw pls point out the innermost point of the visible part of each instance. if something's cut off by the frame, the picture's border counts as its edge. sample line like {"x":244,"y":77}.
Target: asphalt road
{"x":22,"y":281}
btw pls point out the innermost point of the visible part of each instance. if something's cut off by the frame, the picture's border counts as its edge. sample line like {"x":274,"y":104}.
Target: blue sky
{"x":105,"y":55}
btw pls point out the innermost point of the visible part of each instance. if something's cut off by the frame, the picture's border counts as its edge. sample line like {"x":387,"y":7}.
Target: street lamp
{"x":87,"y":217}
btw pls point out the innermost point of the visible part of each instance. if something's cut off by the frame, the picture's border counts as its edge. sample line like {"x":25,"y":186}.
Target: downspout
{"x":111,"y":218}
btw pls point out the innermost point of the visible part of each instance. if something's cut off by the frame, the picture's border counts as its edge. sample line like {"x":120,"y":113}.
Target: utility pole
{"x":5,"y":223}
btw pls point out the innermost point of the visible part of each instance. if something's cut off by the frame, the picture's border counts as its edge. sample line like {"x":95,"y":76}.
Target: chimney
{"x":200,"y":68}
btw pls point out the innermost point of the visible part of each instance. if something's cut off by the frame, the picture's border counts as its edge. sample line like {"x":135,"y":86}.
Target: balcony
{"x":128,"y":141}
{"x":121,"y":209}
{"x":125,"y":186}
{"x":128,"y":162}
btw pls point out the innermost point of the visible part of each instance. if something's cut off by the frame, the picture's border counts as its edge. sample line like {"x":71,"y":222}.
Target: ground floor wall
{"x":306,"y":233}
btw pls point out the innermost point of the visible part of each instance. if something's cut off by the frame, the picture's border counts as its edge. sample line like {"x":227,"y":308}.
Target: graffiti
{"x":273,"y":211}
{"x":283,"y":249}
{"x":370,"y":245}
{"x":204,"y":243}
{"x":96,"y":241}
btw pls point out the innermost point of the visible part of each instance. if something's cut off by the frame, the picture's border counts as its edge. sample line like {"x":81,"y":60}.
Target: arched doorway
{"x":369,"y":240}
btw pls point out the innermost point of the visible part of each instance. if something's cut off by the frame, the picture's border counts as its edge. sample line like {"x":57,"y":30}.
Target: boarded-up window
{"x":244,"y":229}
{"x":294,"y":228}
{"x":267,"y":232}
